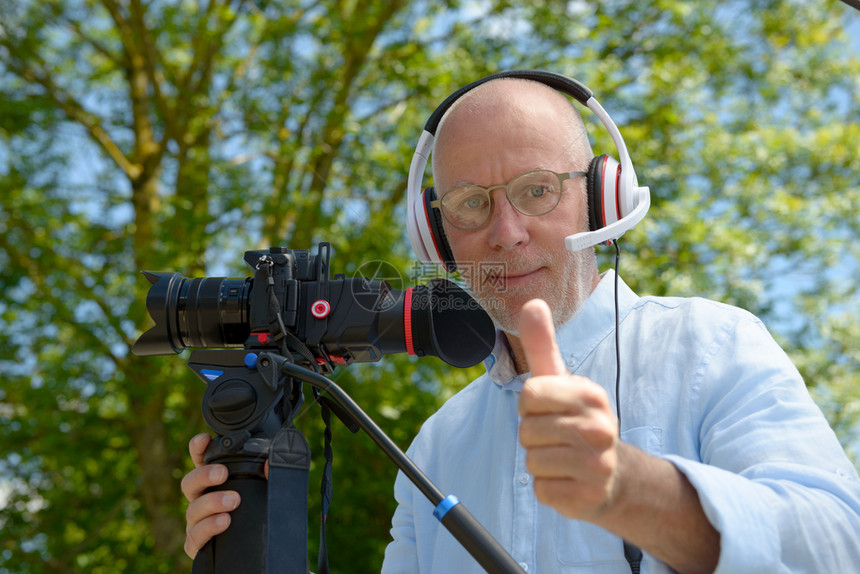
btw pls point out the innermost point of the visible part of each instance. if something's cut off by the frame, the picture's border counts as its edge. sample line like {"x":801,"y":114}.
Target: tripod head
{"x":250,"y":403}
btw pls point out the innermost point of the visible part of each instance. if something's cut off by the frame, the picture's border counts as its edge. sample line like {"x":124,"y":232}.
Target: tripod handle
{"x":242,"y":547}
{"x":485,"y":549}
{"x":471,"y":534}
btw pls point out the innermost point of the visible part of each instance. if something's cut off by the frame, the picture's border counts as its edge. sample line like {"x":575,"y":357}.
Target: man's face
{"x":513,"y":257}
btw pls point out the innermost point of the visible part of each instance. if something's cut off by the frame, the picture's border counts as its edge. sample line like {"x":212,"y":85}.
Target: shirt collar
{"x":577,"y":338}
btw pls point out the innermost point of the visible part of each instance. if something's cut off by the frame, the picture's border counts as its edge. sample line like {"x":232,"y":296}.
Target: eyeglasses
{"x":532,"y":193}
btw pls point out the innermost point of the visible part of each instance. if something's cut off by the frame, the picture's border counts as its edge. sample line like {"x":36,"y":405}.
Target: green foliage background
{"x":174,"y":135}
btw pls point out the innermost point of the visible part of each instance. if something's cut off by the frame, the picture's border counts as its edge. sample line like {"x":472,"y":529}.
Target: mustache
{"x":491,"y":271}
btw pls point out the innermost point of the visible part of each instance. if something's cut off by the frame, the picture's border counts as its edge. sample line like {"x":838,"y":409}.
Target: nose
{"x":507,"y":226}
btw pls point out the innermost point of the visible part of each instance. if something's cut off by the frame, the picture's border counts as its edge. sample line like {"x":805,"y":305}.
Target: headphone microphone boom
{"x":616,"y":201}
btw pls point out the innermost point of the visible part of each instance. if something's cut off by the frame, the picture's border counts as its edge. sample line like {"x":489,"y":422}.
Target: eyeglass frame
{"x":562,"y":177}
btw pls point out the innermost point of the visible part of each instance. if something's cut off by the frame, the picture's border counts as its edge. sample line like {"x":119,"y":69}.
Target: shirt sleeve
{"x":773,"y":478}
{"x":401,"y":554}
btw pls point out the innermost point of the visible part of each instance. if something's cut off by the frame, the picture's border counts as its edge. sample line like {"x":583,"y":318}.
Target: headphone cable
{"x":617,"y":343}
{"x":632,"y":553}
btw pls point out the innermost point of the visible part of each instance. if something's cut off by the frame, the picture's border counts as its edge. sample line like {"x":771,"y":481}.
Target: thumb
{"x":537,"y":336}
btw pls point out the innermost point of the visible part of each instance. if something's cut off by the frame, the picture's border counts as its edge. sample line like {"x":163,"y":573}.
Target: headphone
{"x":616,"y":202}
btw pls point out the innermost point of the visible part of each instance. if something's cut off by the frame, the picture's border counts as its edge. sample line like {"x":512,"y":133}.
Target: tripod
{"x":250,"y":402}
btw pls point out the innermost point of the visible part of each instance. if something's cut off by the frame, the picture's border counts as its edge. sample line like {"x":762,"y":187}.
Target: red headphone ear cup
{"x":594,"y":192}
{"x":437,"y":230}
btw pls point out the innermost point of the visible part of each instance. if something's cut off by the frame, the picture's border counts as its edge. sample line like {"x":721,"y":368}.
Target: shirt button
{"x":524,"y":478}
{"x":524,"y":566}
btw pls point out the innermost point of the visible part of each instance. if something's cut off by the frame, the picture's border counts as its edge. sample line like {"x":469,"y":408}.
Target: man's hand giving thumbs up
{"x":568,"y":426}
{"x":583,"y":470}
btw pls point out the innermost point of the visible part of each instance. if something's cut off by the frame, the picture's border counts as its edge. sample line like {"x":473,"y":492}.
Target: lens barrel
{"x":202,"y":313}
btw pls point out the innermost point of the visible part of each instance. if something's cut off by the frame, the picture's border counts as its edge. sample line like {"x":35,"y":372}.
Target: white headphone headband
{"x":633,"y":203}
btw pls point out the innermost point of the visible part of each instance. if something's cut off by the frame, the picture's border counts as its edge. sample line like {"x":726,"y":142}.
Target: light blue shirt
{"x":704,"y":386}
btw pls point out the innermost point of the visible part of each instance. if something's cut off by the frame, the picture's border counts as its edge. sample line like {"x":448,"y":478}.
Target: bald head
{"x":491,"y":135}
{"x":513,"y":109}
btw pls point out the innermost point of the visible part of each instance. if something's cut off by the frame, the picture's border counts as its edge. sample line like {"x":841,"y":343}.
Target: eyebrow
{"x":463,"y":182}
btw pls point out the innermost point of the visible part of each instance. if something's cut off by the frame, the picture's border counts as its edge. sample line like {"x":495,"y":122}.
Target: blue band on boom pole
{"x":447,"y":504}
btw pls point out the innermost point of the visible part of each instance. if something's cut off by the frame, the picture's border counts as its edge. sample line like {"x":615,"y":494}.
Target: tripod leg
{"x":242,"y":547}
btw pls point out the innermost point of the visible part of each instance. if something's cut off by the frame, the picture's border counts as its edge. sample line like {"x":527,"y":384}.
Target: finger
{"x":575,"y":395}
{"x":211,"y":504}
{"x":572,"y":498}
{"x":197,"y":446}
{"x":537,"y":335}
{"x":577,"y":462}
{"x":203,"y":531}
{"x":591,"y":426}
{"x":198,"y":480}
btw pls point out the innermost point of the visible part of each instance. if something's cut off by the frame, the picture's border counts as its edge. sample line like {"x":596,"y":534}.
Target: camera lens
{"x":202,"y":312}
{"x":367,"y":319}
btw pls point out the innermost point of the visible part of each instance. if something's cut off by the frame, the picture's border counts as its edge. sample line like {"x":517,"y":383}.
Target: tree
{"x":172,"y":136}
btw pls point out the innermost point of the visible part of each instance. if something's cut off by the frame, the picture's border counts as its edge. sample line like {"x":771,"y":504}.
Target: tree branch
{"x":78,"y":29}
{"x":75,"y":112}
{"x":149,"y":57}
{"x":126,"y":35}
{"x":38,"y":279}
{"x":148,"y":150}
{"x":354,"y":53}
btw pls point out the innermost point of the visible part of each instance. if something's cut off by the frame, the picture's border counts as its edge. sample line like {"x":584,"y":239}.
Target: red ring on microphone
{"x":407,"y":320}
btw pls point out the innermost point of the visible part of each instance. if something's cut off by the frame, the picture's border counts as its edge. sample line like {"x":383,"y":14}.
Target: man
{"x":723,"y":461}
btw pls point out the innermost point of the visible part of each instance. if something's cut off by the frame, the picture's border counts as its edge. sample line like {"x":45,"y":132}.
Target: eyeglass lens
{"x":532,"y":193}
